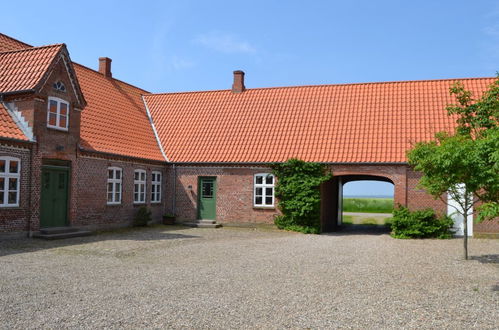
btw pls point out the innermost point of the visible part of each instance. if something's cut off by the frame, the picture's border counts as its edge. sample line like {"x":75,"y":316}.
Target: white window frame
{"x":6,"y":175}
{"x":58,"y":114}
{"x":142,"y":185}
{"x":156,"y":186}
{"x":114,"y":181}
{"x":263,"y":185}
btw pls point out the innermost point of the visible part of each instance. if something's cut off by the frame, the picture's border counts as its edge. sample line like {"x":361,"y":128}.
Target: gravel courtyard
{"x":172,"y":277}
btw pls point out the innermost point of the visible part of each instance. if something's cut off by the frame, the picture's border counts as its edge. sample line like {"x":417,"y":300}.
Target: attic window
{"x":59,"y":86}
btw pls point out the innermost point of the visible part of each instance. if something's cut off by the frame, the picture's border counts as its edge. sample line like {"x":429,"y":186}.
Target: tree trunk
{"x":465,"y":224}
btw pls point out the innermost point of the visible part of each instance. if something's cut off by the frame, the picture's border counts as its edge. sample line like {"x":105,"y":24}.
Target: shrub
{"x":297,"y":189}
{"x":142,"y":217}
{"x":420,"y":224}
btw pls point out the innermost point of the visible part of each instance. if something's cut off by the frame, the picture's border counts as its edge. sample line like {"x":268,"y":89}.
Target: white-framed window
{"x":156,"y":187}
{"x":114,"y":185}
{"x":139,"y":187}
{"x":10,"y":175}
{"x":58,"y":113}
{"x":263,"y":193}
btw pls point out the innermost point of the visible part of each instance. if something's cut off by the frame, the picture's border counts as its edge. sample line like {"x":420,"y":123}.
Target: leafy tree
{"x":297,"y":189}
{"x":465,"y":164}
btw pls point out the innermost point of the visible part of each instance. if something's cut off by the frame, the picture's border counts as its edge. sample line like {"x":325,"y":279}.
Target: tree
{"x":465,"y":164}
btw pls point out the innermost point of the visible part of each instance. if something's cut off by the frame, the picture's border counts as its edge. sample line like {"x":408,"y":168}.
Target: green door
{"x":207,"y":199}
{"x":54,"y":207}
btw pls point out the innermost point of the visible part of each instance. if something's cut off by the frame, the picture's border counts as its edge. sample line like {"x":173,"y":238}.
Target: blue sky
{"x":165,"y":46}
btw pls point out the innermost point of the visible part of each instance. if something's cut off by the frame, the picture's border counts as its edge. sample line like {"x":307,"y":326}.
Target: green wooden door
{"x":207,"y":203}
{"x":54,"y":206}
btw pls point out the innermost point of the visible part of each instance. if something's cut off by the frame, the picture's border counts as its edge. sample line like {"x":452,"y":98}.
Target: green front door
{"x":207,"y":199}
{"x":54,"y":207}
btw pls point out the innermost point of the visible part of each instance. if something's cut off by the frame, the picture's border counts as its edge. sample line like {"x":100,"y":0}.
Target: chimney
{"x":105,"y":66}
{"x":238,"y":85}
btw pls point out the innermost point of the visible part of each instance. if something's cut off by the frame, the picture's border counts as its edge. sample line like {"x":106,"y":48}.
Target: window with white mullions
{"x":10,"y":172}
{"x":155,"y":187}
{"x":263,"y":193}
{"x":58,"y":113}
{"x":139,"y":191}
{"x":114,"y":185}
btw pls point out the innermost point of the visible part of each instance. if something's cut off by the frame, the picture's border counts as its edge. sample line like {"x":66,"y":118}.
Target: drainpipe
{"x":30,"y":187}
{"x":174,"y":202}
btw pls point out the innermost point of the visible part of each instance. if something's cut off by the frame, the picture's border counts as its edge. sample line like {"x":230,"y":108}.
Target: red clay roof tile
{"x":23,"y":69}
{"x":115,"y":119}
{"x":359,"y":123}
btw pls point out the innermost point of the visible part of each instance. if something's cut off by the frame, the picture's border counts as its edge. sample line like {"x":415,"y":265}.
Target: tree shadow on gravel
{"x":347,"y":230}
{"x":487,"y":258}
{"x":153,"y":233}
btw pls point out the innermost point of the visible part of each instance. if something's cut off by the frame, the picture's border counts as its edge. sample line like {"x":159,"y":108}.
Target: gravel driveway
{"x":171,"y":277}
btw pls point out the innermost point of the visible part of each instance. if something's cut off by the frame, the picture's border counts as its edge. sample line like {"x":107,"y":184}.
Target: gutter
{"x":122,"y":156}
{"x":270,"y":163}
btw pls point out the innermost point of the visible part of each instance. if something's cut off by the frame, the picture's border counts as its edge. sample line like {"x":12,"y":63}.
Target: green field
{"x":368,"y":205}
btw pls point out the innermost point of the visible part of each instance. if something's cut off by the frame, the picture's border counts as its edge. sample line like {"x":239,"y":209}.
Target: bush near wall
{"x":297,"y":189}
{"x":420,"y":224}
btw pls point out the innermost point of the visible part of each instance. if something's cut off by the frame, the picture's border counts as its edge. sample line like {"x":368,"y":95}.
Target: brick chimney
{"x":105,"y":66}
{"x":238,"y":85}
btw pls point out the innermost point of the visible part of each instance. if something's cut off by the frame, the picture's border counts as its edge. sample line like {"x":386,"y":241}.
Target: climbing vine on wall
{"x":297,"y":190}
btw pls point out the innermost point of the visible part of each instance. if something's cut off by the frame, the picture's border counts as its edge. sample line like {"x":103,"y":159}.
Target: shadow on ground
{"x":487,"y":258}
{"x":151,"y":233}
{"x":353,"y":229}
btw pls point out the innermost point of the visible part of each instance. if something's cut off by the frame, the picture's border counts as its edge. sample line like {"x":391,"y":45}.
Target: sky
{"x":170,"y":46}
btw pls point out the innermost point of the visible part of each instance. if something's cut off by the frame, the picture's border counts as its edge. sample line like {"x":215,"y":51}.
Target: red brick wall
{"x":418,"y":199}
{"x":14,"y":219}
{"x":234,"y":194}
{"x":91,"y":205}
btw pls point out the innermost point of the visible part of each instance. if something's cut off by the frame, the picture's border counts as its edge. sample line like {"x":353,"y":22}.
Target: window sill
{"x":263,"y":207}
{"x":7,"y":207}
{"x":60,"y":129}
{"x":113,"y":204}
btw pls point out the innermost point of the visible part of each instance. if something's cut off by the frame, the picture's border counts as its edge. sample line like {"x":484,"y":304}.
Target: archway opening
{"x":357,"y":203}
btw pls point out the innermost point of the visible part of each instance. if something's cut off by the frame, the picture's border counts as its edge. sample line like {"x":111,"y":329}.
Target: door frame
{"x":200,"y":178}
{"x":64,"y":168}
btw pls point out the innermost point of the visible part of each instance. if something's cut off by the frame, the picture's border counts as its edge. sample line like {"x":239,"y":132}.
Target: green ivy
{"x":142,"y":217}
{"x":297,"y":189}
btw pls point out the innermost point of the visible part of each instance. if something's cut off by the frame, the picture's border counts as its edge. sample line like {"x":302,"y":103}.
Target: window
{"x":10,"y":171}
{"x":156,"y":187}
{"x":58,"y":114}
{"x":264,"y":190}
{"x":114,"y":180}
{"x":139,"y":191}
{"x":59,"y":86}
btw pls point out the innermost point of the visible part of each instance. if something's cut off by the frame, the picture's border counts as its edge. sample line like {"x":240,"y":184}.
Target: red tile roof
{"x":8,"y":126}
{"x":115,"y":119}
{"x":7,"y":43}
{"x":23,"y":69}
{"x":352,"y":123}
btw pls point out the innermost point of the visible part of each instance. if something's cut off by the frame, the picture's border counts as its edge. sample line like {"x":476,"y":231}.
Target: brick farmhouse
{"x":80,"y":148}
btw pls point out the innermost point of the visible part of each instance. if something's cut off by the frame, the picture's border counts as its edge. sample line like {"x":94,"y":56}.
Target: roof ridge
{"x":121,"y":81}
{"x":16,"y":40}
{"x":327,"y":85}
{"x":32,"y":48}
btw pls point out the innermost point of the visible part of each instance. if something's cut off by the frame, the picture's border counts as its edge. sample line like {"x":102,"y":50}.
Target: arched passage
{"x":332,"y":198}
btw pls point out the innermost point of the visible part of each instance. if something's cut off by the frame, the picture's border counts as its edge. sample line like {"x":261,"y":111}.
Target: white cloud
{"x":179,"y":63}
{"x":225,"y":43}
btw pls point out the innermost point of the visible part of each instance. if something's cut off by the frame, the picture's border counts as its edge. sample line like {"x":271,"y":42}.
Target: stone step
{"x":197,"y":224}
{"x":77,"y":233}
{"x":58,"y":230}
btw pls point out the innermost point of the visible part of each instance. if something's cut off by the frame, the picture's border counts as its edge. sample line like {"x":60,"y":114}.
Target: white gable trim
{"x":19,"y":120}
{"x":154,"y":129}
